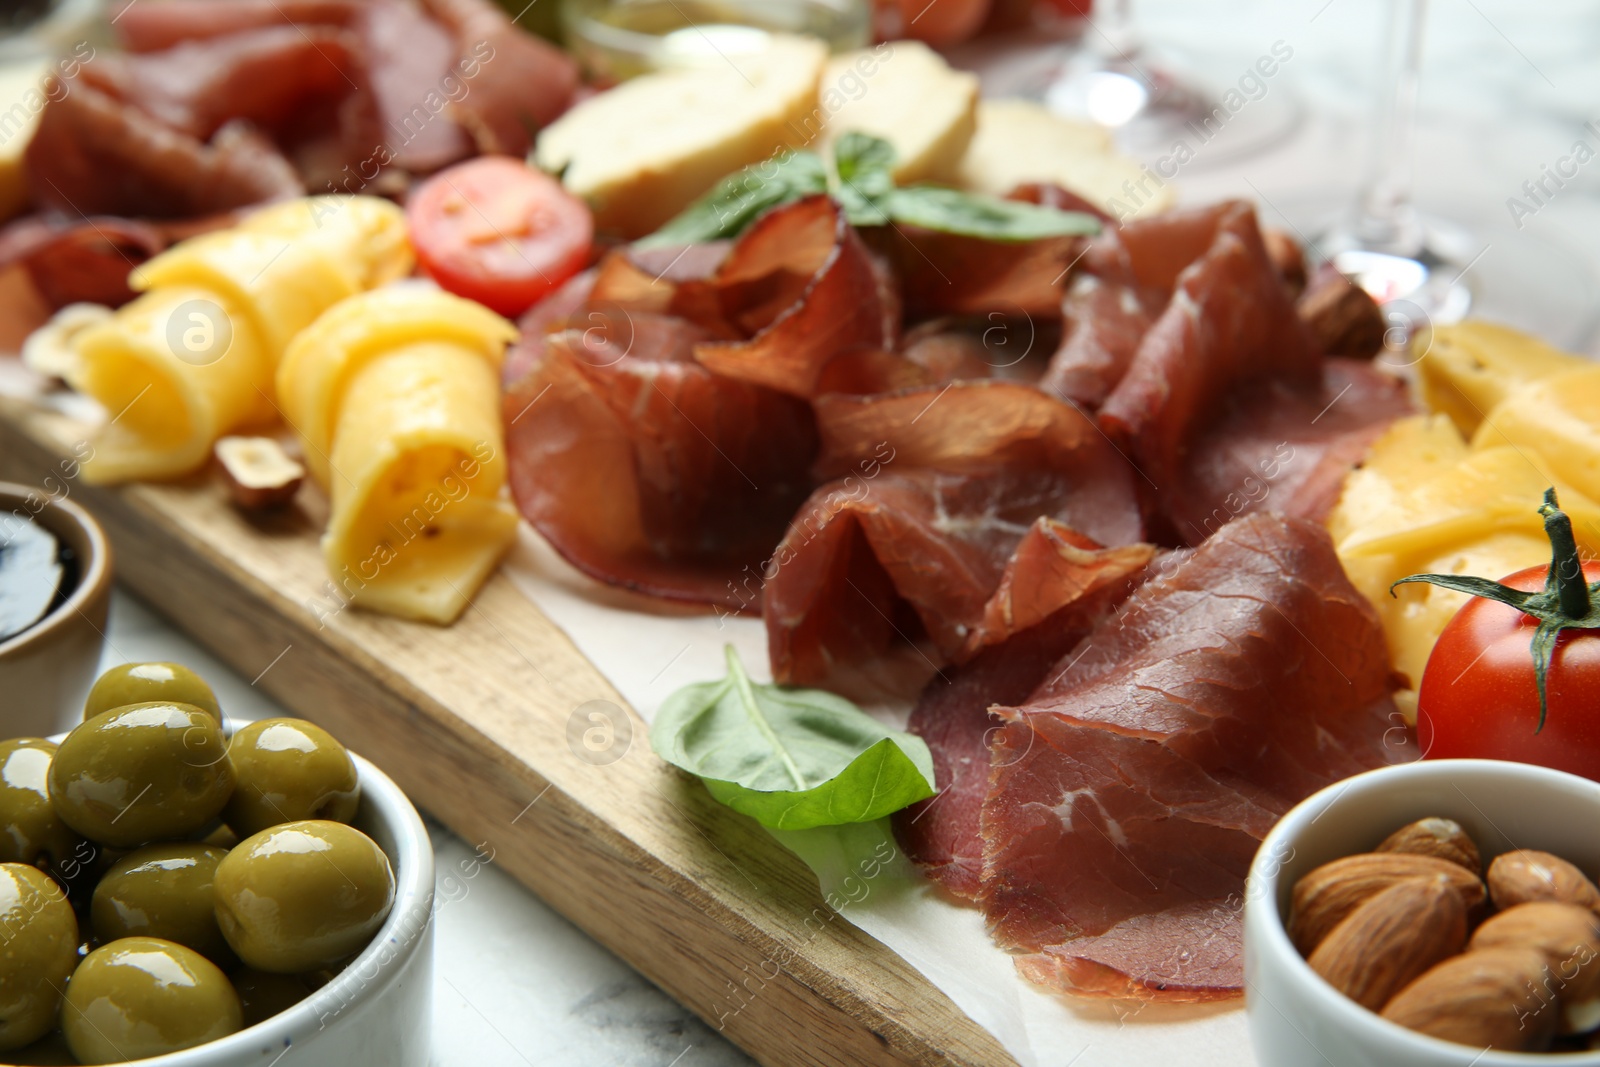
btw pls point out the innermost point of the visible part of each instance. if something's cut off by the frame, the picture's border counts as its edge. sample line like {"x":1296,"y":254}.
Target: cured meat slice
{"x":1129,"y":792}
{"x":948,"y":274}
{"x":1105,"y":321}
{"x":94,"y":155}
{"x":1125,"y":280}
{"x":936,"y":488}
{"x":952,"y":714}
{"x":83,"y":261}
{"x":268,"y":78}
{"x":646,"y":470}
{"x":519,"y":83}
{"x":1281,"y":449}
{"x":146,"y":27}
{"x":803,"y":288}
{"x":1229,"y":322}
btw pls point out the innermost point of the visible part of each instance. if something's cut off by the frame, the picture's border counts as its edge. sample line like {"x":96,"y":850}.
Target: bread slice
{"x":22,"y":99}
{"x":1019,"y":141}
{"x":643,"y":151}
{"x":905,"y":93}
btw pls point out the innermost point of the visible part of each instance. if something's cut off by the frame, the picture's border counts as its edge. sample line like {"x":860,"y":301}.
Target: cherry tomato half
{"x":499,"y":232}
{"x":1478,"y":696}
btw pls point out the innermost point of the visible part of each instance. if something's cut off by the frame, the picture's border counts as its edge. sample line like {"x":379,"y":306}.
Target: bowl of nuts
{"x":1433,"y":914}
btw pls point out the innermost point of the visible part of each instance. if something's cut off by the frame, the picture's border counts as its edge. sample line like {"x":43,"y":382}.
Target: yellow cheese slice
{"x":396,"y":396}
{"x":194,"y":358}
{"x":1494,"y":490}
{"x":1469,"y":368}
{"x":1559,"y":418}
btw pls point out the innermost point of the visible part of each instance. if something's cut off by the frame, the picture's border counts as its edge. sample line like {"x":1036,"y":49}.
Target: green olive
{"x":288,"y":770}
{"x":30,"y":830}
{"x":163,"y":891}
{"x":39,"y":935}
{"x":141,"y":997}
{"x":146,"y":772}
{"x":303,"y":895}
{"x":264,"y":994}
{"x":146,"y":683}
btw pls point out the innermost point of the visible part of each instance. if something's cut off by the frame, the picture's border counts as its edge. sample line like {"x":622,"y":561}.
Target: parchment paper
{"x":647,"y":650}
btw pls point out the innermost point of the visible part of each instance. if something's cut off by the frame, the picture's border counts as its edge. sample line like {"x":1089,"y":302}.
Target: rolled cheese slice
{"x":193,"y":359}
{"x":396,"y":397}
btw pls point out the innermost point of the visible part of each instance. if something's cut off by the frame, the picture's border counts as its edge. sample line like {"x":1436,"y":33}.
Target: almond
{"x":1441,"y":838}
{"x":1524,"y":874}
{"x":1569,"y":937}
{"x":1493,"y":998}
{"x":1392,"y":938}
{"x":1324,"y":897}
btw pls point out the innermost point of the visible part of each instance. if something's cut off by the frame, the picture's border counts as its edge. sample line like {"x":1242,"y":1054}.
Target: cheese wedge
{"x":396,"y":397}
{"x":1468,"y":368}
{"x":1018,"y":141}
{"x":908,"y":95}
{"x":645,"y":150}
{"x":193,"y":359}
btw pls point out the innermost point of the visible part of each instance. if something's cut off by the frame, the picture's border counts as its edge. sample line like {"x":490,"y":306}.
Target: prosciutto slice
{"x":1128,"y":793}
{"x":935,"y":489}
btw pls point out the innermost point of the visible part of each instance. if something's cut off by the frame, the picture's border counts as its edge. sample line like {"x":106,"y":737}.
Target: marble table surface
{"x":1506,"y":90}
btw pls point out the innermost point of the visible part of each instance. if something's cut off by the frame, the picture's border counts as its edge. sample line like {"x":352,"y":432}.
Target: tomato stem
{"x":1566,"y":569}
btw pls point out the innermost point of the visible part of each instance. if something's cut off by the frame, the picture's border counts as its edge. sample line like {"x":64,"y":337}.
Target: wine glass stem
{"x":1386,"y":219}
{"x":1116,"y":36}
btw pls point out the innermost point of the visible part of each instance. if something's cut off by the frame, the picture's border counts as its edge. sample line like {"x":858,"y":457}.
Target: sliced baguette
{"x":905,"y":93}
{"x":645,"y":150}
{"x":1019,"y":141}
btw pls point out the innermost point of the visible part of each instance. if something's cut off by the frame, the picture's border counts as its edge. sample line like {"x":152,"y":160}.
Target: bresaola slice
{"x":802,"y":288}
{"x":937,"y":487}
{"x":1128,"y":793}
{"x":1285,"y":450}
{"x":1229,"y":322}
{"x":644,"y":469}
{"x":1054,"y":570}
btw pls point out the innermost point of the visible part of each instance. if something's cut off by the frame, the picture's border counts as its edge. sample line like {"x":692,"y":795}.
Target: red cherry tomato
{"x":499,"y":232}
{"x":1478,"y":696}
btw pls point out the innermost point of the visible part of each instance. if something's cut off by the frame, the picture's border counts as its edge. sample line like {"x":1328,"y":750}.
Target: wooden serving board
{"x":473,"y":722}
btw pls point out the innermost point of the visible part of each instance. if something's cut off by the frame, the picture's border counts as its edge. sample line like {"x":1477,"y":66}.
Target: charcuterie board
{"x":480,"y":722}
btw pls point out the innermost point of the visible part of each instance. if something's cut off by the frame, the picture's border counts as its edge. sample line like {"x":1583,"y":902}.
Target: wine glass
{"x":1430,"y":270}
{"x":1102,"y":70}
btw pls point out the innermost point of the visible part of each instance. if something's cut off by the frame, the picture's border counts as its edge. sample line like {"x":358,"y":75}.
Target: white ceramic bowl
{"x":1297,"y":1019}
{"x":378,"y":1012}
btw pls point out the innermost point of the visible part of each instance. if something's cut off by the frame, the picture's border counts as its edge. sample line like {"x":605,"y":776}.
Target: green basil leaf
{"x":790,"y":758}
{"x":935,"y":207}
{"x":741,"y":197}
{"x":862,"y":166}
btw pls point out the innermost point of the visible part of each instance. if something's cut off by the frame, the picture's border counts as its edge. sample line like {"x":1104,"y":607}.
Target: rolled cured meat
{"x":395,"y":396}
{"x":193,"y":358}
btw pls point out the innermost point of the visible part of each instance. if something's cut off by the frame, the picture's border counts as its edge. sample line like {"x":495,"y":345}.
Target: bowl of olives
{"x":186,"y":892}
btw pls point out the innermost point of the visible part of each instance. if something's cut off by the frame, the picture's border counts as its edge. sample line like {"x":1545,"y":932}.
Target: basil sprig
{"x":790,"y":758}
{"x":861,"y":179}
